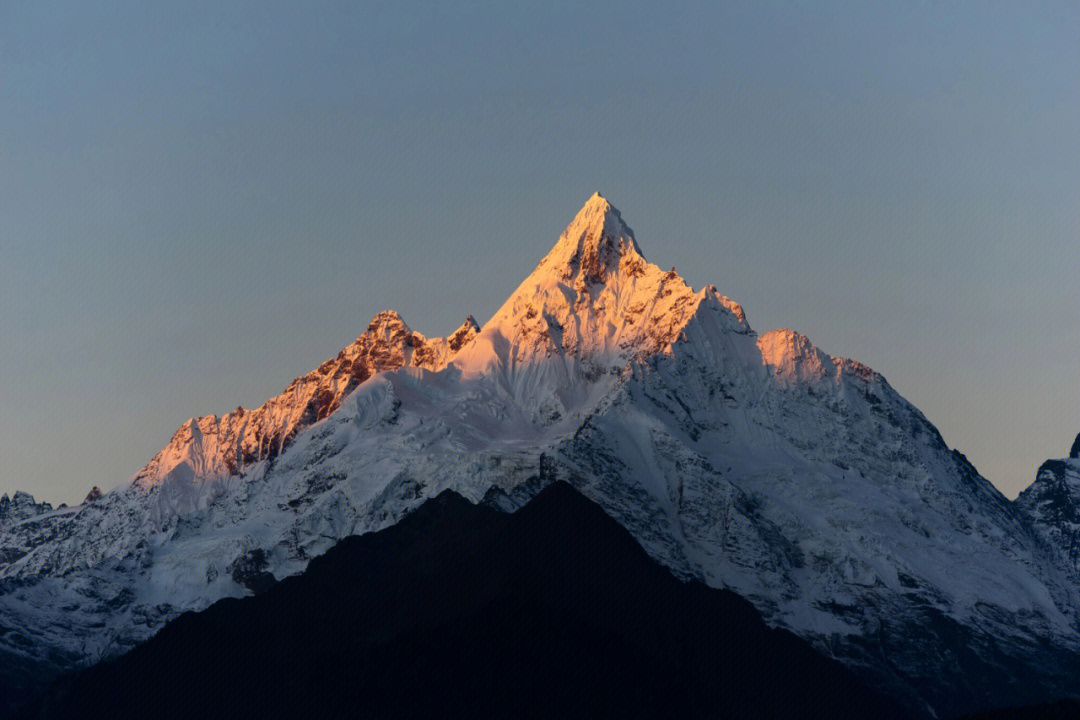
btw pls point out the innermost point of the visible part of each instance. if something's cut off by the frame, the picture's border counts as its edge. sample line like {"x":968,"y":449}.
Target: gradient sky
{"x":199,"y":203}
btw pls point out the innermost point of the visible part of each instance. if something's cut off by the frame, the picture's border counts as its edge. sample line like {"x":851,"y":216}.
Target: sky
{"x":200,"y":201}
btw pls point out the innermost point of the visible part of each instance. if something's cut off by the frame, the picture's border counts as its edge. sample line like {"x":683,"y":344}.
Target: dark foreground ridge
{"x":462,"y":611}
{"x":1060,"y":710}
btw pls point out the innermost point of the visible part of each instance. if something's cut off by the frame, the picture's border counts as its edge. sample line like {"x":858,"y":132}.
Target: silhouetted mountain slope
{"x":1061,"y":710}
{"x":460,"y":610}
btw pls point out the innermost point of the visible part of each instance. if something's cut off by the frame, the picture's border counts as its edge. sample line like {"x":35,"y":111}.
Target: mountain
{"x":756,"y":463}
{"x":463,"y":611}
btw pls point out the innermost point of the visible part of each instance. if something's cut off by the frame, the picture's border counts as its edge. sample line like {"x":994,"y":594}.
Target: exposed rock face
{"x":21,"y":506}
{"x":463,"y":335}
{"x":1052,"y":503}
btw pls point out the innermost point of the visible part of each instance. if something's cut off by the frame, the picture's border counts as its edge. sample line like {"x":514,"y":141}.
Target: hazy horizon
{"x":199,"y":204}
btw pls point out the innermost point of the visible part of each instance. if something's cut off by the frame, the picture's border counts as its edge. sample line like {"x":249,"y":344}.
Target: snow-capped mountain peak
{"x":592,"y":305}
{"x":595,"y":243}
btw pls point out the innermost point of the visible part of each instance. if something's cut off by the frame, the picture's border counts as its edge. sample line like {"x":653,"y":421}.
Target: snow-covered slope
{"x":758,"y":463}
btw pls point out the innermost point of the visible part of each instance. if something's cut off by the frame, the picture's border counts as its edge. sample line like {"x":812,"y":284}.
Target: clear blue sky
{"x":199,"y":203}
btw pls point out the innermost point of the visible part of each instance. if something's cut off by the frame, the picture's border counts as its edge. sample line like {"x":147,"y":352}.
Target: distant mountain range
{"x":755,"y":463}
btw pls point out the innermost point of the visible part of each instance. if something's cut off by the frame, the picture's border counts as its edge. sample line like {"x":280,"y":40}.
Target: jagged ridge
{"x":209,"y":448}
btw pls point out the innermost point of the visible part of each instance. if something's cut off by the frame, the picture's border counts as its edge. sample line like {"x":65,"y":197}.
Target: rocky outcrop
{"x":208,"y":449}
{"x":1052,"y":505}
{"x":19,"y":507}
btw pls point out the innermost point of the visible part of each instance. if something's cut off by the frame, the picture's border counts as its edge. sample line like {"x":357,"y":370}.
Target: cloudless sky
{"x":200,"y":201}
